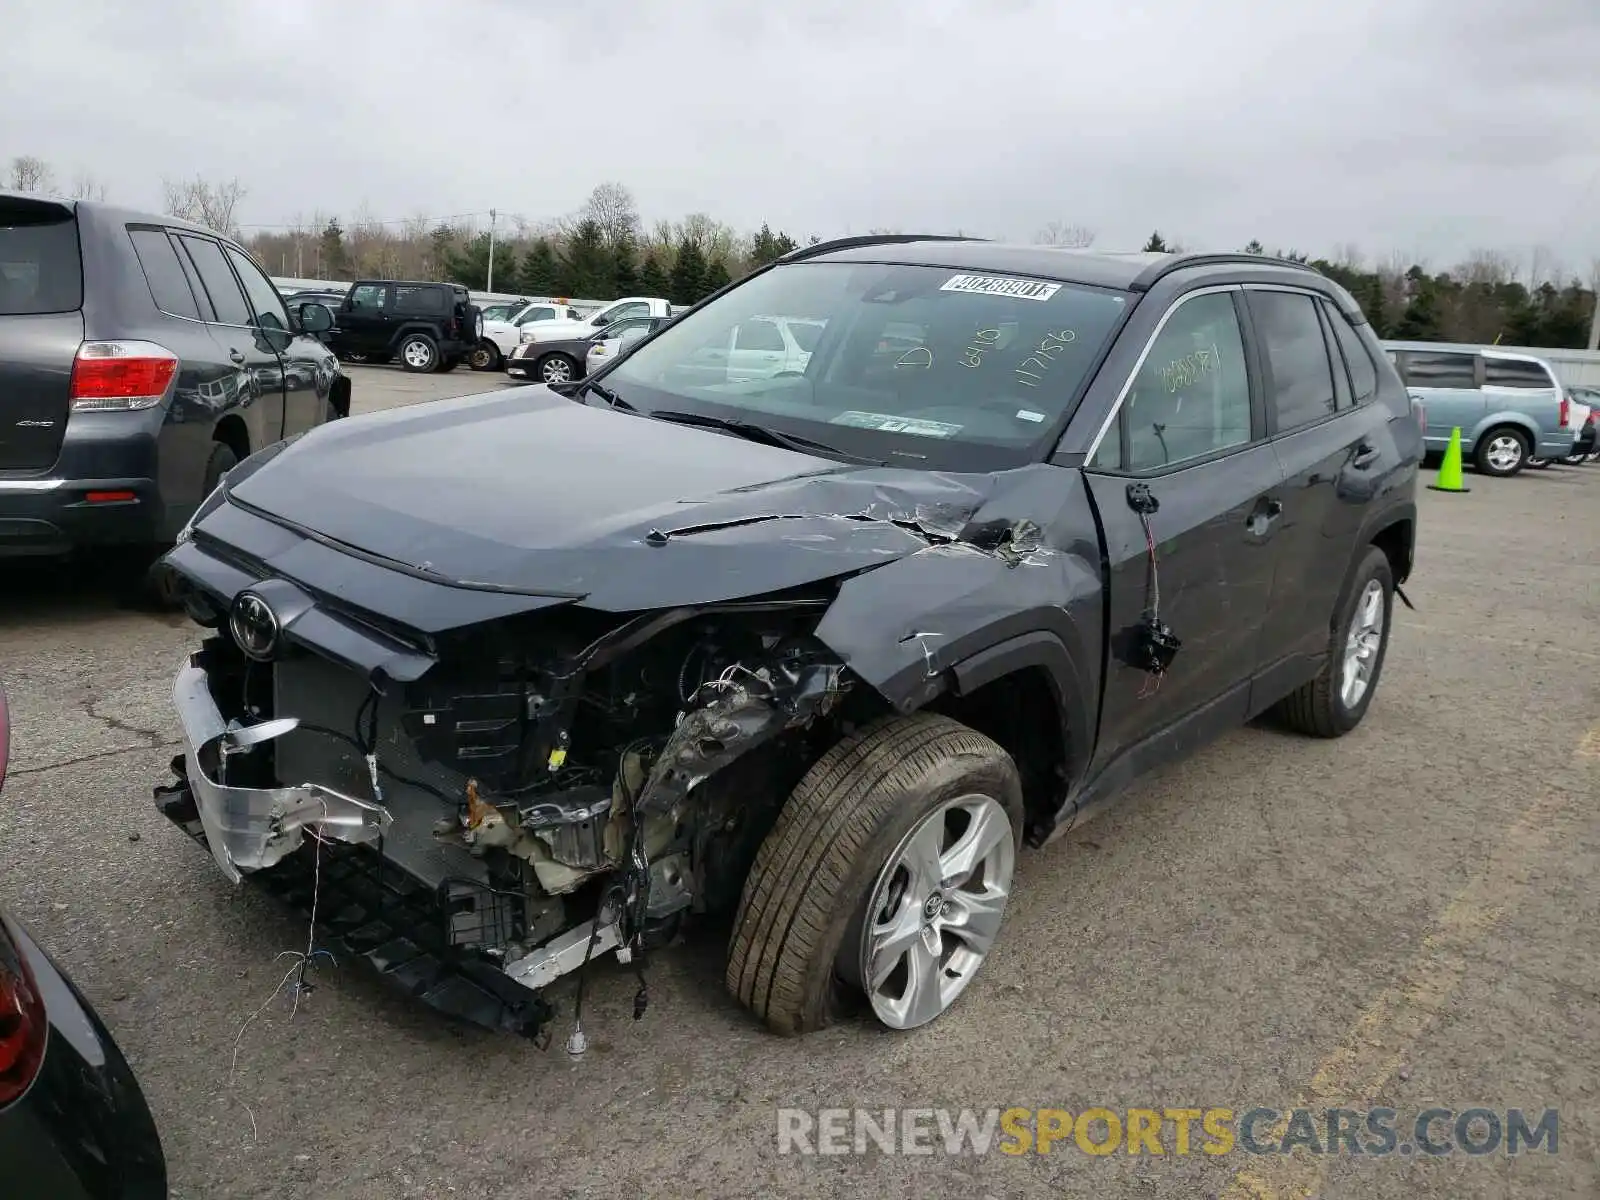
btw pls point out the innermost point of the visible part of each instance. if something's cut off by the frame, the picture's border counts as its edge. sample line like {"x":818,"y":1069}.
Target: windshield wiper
{"x":610,"y":397}
{"x":760,"y":433}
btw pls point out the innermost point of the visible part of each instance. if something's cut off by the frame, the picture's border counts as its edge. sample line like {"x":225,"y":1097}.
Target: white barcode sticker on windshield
{"x":1027,"y":414}
{"x":1001,"y":285}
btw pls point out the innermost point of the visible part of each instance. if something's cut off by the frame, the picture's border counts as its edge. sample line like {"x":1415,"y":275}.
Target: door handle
{"x":1366,"y":454}
{"x":237,"y":356}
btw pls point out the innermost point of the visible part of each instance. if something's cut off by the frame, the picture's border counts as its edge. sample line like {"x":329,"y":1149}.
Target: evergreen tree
{"x":624,"y":271}
{"x":540,"y":271}
{"x":769,"y":247}
{"x":586,"y":265}
{"x":1375,"y":304}
{"x":470,"y":265}
{"x":1253,"y":247}
{"x":653,"y":280}
{"x":442,"y":237}
{"x":507,"y":268}
{"x":334,"y":256}
{"x":1420,"y":320}
{"x":1156,"y":244}
{"x":716,"y":277}
{"x":688,"y":273}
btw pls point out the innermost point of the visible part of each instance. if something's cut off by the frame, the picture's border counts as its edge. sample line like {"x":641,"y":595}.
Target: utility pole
{"x":489,"y":284}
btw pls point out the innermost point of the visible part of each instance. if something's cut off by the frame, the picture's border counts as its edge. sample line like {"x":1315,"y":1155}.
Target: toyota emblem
{"x":254,"y":626}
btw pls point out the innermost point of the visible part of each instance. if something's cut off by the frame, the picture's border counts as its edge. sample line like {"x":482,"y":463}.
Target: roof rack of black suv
{"x":872,"y":239}
{"x":1147,"y":278}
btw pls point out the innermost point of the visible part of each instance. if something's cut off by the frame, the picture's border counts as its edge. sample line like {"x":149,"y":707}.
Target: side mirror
{"x":315,"y":317}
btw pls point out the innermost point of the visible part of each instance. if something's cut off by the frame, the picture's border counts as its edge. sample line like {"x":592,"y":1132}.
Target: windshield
{"x":911,"y":365}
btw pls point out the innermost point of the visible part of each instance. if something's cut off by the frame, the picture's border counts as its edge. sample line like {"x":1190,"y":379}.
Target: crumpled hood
{"x":531,"y":492}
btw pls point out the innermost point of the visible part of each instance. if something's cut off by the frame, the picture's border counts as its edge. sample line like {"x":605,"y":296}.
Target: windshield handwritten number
{"x":982,"y":342}
{"x":1043,"y":357}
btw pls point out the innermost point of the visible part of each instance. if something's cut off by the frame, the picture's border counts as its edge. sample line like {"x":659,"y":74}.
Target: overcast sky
{"x":1425,"y":127}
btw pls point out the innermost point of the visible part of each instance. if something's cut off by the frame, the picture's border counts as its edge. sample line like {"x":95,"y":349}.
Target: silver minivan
{"x":1510,"y":407}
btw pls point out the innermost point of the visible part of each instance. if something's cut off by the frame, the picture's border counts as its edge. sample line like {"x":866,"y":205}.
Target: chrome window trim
{"x":1127,"y":384}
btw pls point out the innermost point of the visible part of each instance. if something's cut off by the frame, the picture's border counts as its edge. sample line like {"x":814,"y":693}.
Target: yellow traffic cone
{"x":1450,"y":469}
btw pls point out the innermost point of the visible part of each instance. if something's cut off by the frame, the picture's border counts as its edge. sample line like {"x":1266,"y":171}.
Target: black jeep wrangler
{"x":427,"y":326}
{"x":817,"y":640}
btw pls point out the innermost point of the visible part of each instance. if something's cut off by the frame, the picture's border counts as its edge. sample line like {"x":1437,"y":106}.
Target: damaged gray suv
{"x":815,"y":641}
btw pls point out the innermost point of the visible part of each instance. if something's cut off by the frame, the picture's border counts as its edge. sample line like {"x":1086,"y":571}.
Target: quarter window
{"x":1192,"y":395}
{"x":1363,"y":373}
{"x":1430,"y":369}
{"x":1301,"y":376}
{"x":416,"y":300}
{"x":169,"y":287}
{"x":1515,"y":373}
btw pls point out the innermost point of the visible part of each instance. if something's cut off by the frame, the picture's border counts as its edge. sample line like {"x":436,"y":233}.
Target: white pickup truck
{"x":500,"y":337}
{"x":574,"y":326}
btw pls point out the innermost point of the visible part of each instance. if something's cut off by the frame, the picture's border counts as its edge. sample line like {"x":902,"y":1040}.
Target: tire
{"x":796,"y":955}
{"x":1538,"y":464}
{"x":222,"y":460}
{"x":419,"y":353}
{"x":485,"y":356}
{"x":1502,"y":452}
{"x":1318,"y":708}
{"x":557,"y":368}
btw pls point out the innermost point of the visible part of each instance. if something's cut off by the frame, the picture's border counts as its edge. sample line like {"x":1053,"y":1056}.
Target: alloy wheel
{"x":935,"y":910}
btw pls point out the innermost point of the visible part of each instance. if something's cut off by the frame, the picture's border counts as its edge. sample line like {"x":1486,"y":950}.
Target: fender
{"x":1068,"y":685}
{"x":1510,"y":416}
{"x":409,"y":328}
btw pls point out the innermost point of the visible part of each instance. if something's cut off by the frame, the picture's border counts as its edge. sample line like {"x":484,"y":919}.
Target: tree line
{"x":607,"y":250}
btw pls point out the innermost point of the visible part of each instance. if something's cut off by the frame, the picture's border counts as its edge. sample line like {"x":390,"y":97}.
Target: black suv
{"x":818,"y":640}
{"x":140,"y":358}
{"x":427,"y":326}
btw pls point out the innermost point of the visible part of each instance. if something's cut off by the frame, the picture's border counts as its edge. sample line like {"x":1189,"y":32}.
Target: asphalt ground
{"x":1404,"y":917}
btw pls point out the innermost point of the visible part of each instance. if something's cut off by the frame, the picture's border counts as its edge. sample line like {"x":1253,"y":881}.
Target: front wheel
{"x":419,"y":353}
{"x":886,"y":876}
{"x":485,"y":356}
{"x":1333,"y":703}
{"x":1502,"y":452}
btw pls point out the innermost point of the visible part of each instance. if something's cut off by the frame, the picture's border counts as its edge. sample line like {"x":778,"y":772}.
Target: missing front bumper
{"x":251,"y":828}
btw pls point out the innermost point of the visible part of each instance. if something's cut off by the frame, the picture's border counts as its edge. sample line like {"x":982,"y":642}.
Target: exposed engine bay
{"x":562,"y":784}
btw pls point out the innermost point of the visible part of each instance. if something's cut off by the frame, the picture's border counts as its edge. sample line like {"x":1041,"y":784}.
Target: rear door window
{"x":1432,"y":369}
{"x":1301,"y":383}
{"x":41,"y":269}
{"x":759,"y":335}
{"x":169,"y":285}
{"x":226,"y":297}
{"x":1515,"y":373}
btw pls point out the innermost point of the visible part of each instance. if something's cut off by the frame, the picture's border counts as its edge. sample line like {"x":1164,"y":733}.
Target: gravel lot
{"x":1406,"y":916}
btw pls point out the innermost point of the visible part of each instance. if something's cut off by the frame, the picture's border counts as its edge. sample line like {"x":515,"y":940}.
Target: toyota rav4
{"x":516,"y":681}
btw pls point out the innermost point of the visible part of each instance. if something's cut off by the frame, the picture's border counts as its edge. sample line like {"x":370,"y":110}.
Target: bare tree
{"x":86,"y":187}
{"x":31,"y":174}
{"x":611,"y":206}
{"x":203,"y":202}
{"x":1066,"y":235}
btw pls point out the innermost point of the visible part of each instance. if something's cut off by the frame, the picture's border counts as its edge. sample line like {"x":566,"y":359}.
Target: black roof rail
{"x":872,"y":239}
{"x":1147,"y":278}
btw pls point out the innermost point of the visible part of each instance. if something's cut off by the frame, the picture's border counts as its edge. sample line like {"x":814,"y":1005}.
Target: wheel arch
{"x":1029,"y":695}
{"x":232,"y":432}
{"x":1519,"y":421}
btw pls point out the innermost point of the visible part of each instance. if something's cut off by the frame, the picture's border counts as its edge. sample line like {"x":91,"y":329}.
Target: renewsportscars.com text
{"x":1376,"y":1132}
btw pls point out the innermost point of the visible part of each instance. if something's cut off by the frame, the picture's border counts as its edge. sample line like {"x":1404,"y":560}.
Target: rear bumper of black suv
{"x":103,"y":490}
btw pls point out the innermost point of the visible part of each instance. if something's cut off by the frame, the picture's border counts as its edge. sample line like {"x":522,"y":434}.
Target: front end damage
{"x":541,"y":796}
{"x":481,"y":782}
